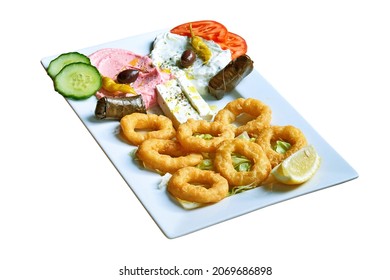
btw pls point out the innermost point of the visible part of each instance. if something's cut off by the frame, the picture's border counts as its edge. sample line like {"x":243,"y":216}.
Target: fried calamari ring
{"x":224,"y":165}
{"x":196,"y":185}
{"x":290,"y":134}
{"x":260,"y":113}
{"x":154,"y":126}
{"x":188,"y":131}
{"x":166,"y":156}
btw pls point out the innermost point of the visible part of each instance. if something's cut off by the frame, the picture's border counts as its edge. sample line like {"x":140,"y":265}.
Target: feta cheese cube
{"x":174,"y":103}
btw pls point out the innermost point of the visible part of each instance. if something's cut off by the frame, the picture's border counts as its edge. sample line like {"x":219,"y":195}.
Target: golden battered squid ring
{"x":155,"y":126}
{"x":197,"y":185}
{"x":290,"y":134}
{"x":224,"y":164}
{"x":166,"y":156}
{"x":259,"y":111}
{"x":186,"y":135}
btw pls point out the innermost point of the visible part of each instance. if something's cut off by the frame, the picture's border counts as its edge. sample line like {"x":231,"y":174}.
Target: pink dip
{"x":110,"y":62}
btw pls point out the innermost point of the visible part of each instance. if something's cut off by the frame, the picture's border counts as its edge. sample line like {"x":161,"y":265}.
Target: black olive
{"x":187,"y":58}
{"x":127,"y":76}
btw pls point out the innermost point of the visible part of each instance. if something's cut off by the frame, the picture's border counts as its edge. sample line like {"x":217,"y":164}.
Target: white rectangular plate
{"x":173,"y":220}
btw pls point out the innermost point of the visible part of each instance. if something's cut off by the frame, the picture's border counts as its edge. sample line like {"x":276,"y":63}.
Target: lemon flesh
{"x":297,"y":168}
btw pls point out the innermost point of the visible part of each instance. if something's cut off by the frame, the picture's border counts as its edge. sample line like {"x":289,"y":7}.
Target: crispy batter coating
{"x":260,"y":113}
{"x":166,"y":150}
{"x":153,"y":126}
{"x":166,"y":156}
{"x":186,"y":135}
{"x":290,"y":134}
{"x":224,"y":165}
{"x":196,"y":185}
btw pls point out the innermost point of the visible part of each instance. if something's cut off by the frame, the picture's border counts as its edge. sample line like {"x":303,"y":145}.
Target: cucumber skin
{"x":62,"y":83}
{"x":56,"y":65}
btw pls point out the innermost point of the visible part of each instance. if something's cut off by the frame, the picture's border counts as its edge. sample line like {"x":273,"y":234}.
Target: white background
{"x":65,"y":212}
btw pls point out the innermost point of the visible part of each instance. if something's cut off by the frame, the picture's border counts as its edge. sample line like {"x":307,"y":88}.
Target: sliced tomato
{"x":235,"y":43}
{"x":212,"y":30}
{"x":207,"y":29}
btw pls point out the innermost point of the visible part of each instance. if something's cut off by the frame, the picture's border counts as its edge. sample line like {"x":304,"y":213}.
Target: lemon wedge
{"x":297,"y":168}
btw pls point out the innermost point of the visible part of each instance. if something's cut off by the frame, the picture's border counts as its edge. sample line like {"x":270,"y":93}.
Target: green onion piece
{"x":206,"y":164}
{"x":241,"y":163}
{"x":204,"y":136}
{"x":281,"y":147}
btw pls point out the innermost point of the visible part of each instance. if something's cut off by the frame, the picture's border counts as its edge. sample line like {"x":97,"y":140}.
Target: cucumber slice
{"x":78,"y":80}
{"x":64,"y":59}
